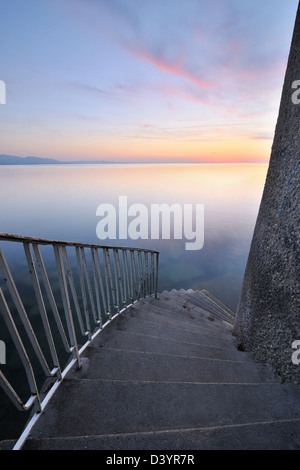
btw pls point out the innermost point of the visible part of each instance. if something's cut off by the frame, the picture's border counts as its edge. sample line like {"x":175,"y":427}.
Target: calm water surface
{"x":60,"y":202}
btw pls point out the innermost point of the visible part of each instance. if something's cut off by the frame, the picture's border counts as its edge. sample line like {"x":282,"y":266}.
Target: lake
{"x":60,"y":202}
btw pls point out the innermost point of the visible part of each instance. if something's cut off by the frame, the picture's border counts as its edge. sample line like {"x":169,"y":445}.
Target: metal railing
{"x":78,"y":289}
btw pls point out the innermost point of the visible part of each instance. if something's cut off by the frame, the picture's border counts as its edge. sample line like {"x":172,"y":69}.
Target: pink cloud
{"x":258,"y":74}
{"x":171,"y":67}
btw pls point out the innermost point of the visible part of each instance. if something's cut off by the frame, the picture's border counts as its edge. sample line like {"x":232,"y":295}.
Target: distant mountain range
{"x":12,"y":160}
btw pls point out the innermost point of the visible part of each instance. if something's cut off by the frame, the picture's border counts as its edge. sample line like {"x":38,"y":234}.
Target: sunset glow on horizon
{"x":143,"y":81}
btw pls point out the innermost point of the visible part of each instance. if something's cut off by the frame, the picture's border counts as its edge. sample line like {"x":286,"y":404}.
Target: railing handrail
{"x":46,"y":241}
{"x":107,"y":287}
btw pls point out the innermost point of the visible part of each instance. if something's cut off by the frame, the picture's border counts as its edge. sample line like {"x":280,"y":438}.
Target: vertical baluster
{"x":132,"y":275}
{"x":50,"y":297}
{"x":83,"y":293}
{"x":156,"y":277}
{"x":101,"y":280}
{"x":140,"y":274}
{"x":119,"y":276}
{"x":97,"y":291}
{"x":146,"y":279}
{"x":42,"y":309}
{"x":116,"y":280}
{"x":88,"y":282}
{"x":126,"y":275}
{"x":73,"y":289}
{"x":112,"y":287}
{"x":108,"y":283}
{"x":151,"y":272}
{"x":66,"y":303}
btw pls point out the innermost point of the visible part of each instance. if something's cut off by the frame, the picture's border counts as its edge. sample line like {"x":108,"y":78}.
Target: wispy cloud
{"x":114,"y":92}
{"x":176,"y":68}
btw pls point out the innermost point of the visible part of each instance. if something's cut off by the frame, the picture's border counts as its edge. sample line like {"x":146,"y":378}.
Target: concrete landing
{"x":167,"y":374}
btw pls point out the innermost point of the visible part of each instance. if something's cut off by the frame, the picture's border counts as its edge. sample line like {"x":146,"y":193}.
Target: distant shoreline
{"x":14,"y":160}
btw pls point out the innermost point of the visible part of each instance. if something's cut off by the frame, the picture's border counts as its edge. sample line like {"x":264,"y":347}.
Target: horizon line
{"x":32,"y":160}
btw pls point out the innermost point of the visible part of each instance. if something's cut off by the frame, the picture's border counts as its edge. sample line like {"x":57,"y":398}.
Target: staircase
{"x":166,"y":374}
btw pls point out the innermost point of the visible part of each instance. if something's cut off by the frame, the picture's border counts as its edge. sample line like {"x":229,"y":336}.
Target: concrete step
{"x":208,"y":300}
{"x":7,"y":444}
{"x":199,"y":300}
{"x":218,"y":302}
{"x":223,"y":339}
{"x":186,"y":308}
{"x":165,"y":329}
{"x":166,"y":344}
{"x":203,"y":301}
{"x":121,"y":364}
{"x":98,"y":408}
{"x":184,"y":317}
{"x":270,"y":435}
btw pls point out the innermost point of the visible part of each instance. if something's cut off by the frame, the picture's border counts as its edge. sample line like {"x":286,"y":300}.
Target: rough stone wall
{"x":268,"y":316}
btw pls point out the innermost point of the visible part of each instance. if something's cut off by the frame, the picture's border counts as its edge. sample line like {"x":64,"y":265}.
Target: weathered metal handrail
{"x":95,"y":283}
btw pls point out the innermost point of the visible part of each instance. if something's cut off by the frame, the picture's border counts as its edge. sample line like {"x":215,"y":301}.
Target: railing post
{"x":152,"y":288}
{"x":66,"y":304}
{"x":83,"y":293}
{"x":108,"y":267}
{"x":96,"y":283}
{"x":73,"y":289}
{"x":146,"y":279}
{"x":133,"y":274}
{"x":156,"y":276}
{"x":50,"y":297}
{"x":42,"y":309}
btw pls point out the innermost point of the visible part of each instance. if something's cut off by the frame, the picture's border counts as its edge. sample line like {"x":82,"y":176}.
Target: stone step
{"x":209,"y":300}
{"x":164,"y":328}
{"x":196,"y":299}
{"x":184,"y":316}
{"x":206,"y":304}
{"x":218,"y":302}
{"x":183,"y":306}
{"x":269,"y":435}
{"x":95,"y":407}
{"x":167,"y":344}
{"x":224,"y":338}
{"x":120,"y":364}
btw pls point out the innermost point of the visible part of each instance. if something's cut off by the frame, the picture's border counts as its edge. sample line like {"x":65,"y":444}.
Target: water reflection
{"x":60,"y":202}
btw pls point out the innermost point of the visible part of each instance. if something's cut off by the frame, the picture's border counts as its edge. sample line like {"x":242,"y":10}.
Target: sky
{"x":143,"y":80}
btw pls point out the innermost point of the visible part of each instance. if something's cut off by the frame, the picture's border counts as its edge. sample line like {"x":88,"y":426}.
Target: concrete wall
{"x":268,"y":317}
